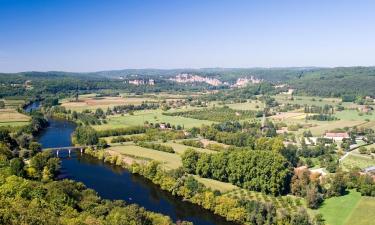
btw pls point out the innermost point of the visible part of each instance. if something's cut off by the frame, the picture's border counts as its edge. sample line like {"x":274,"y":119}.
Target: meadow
{"x":91,"y":102}
{"x":356,"y":160}
{"x":9,"y":115}
{"x":180,"y":148}
{"x":306,"y":100}
{"x":250,"y":105}
{"x":363,"y":213}
{"x":152,"y":116}
{"x":168,"y":160}
{"x":349,"y":209}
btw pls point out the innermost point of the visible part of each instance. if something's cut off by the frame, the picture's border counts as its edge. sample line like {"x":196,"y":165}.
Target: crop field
{"x":323,"y":126}
{"x":253,"y":105}
{"x":370,"y":124}
{"x":152,"y":116}
{"x":363,"y":213}
{"x":350,"y":115}
{"x":305,"y":100}
{"x":180,"y":148}
{"x":13,"y":103}
{"x":92,"y":102}
{"x":339,"y":210}
{"x":218,"y":114}
{"x":10,"y":117}
{"x":288,"y":115}
{"x":169,"y":160}
{"x":357,"y":160}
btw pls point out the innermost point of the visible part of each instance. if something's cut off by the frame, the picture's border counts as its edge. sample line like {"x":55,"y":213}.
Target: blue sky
{"x":91,"y":35}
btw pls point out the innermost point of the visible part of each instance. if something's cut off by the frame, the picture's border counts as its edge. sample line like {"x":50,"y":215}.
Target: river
{"x":114,"y":182}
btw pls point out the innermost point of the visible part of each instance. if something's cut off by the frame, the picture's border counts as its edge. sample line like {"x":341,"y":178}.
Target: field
{"x":288,"y":115}
{"x":305,"y":100}
{"x":180,"y":148}
{"x":92,"y":103}
{"x":323,"y":126}
{"x":13,"y":103}
{"x":152,"y":116}
{"x":351,"y":115}
{"x":357,"y":160}
{"x":216,"y":185}
{"x":10,"y":117}
{"x":363,"y":213}
{"x":253,"y":105}
{"x":169,"y":160}
{"x":349,"y":209}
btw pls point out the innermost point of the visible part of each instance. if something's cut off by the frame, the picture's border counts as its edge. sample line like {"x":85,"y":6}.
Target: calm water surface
{"x":113,"y":182}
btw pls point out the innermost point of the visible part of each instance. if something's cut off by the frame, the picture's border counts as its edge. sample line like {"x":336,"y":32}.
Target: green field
{"x":169,"y":160}
{"x":180,"y":148}
{"x":363,"y":213}
{"x":253,"y":105}
{"x":216,"y":185}
{"x":307,"y":100}
{"x":357,"y":160}
{"x":337,"y":210}
{"x":350,"y":115}
{"x":152,"y":116}
{"x":10,"y":117}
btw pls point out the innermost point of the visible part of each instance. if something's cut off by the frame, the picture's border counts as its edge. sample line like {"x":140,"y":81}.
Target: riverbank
{"x":177,"y":183}
{"x":185,"y":186}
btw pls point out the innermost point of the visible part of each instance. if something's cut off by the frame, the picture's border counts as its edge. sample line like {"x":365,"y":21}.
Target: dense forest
{"x":347,"y":81}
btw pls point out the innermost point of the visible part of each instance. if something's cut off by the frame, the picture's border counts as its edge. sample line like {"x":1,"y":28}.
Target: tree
{"x":189,"y":160}
{"x":362,"y":150}
{"x":5,"y":151}
{"x":300,"y":180}
{"x":337,"y":185}
{"x":85,"y":135}
{"x":313,"y":197}
{"x":17,"y":167}
{"x":300,"y":218}
{"x":34,"y":148}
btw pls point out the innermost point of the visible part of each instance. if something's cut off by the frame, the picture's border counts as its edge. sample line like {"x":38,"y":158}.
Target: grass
{"x":353,"y":115}
{"x":337,"y":210}
{"x":307,"y":100}
{"x":92,"y":103}
{"x":13,"y":103}
{"x":354,"y":160}
{"x":10,"y":117}
{"x":169,"y":160}
{"x":216,"y":185}
{"x":180,"y":148}
{"x":247,"y":106}
{"x":152,"y":116}
{"x":363,"y":213}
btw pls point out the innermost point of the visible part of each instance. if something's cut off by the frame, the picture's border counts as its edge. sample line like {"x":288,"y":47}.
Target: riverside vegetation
{"x":208,"y":145}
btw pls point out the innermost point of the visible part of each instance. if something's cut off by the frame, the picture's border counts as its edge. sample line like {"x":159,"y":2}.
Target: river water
{"x":113,"y":182}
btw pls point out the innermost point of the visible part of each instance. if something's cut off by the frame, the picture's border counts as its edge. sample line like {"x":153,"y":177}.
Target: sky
{"x":93,"y":35}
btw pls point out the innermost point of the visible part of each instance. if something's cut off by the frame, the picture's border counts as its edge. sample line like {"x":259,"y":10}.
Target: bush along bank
{"x":181,"y":184}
